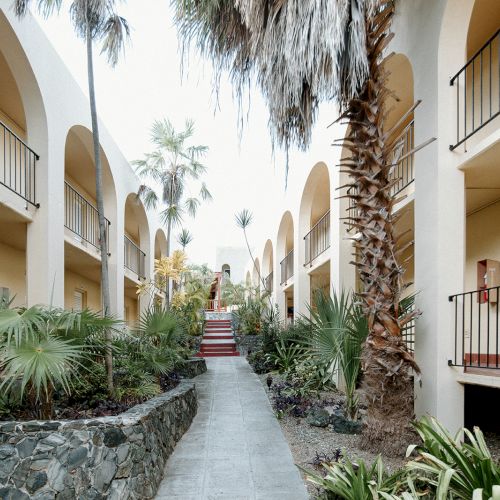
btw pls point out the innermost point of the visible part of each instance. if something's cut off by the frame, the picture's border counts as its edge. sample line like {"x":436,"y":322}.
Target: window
{"x":79,"y":300}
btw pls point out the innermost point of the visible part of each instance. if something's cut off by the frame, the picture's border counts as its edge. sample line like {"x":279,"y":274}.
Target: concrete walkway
{"x":234,"y":450}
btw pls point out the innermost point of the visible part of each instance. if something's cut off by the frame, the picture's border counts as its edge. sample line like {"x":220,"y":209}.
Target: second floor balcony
{"x":81,"y":217}
{"x":134,"y":258}
{"x":17,"y":165}
{"x":268,"y":280}
{"x":477,"y":91}
{"x":286,"y":268}
{"x":317,"y":240}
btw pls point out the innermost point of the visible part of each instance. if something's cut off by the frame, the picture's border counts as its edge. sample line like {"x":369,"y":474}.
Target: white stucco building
{"x":446,"y":55}
{"x":49,"y":246}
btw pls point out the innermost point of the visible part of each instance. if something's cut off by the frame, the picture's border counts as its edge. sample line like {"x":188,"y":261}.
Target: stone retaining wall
{"x":113,"y":458}
{"x":193,"y":367}
{"x":248,"y":342}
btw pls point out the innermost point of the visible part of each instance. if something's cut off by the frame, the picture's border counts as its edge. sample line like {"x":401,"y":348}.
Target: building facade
{"x":445,"y":71}
{"x":49,"y":237}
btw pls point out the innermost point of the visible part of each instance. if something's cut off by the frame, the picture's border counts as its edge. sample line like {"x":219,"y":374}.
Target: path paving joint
{"x":234,"y":449}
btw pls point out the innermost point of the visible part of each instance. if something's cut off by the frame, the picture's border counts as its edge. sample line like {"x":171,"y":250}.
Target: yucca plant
{"x":286,"y":355}
{"x":459,"y":467}
{"x":41,"y":349}
{"x":357,"y":481}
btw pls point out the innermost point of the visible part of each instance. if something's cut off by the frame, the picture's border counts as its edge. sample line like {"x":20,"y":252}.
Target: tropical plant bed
{"x":66,"y":408}
{"x":312,"y":446}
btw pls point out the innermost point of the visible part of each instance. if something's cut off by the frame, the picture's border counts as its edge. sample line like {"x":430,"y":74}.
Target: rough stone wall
{"x":248,"y":342}
{"x":193,"y":367}
{"x":113,"y":458}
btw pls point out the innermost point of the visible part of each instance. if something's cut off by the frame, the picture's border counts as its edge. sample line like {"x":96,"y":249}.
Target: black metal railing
{"x":478,"y":90}
{"x":287,"y":267}
{"x":476,"y":329}
{"x":135,"y":258}
{"x":317,"y":240}
{"x":408,"y":334}
{"x":17,"y":165}
{"x":403,"y":170}
{"x":81,"y":217}
{"x":268,"y":280}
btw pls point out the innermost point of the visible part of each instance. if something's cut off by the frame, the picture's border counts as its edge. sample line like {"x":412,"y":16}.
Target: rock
{"x":44,"y":495}
{"x":10,"y":493}
{"x":26,"y":446}
{"x":344,"y":425}
{"x":104,"y":475}
{"x":54,"y":440}
{"x":56,"y":474}
{"x":20,"y":473}
{"x":76,"y":457}
{"x":7,"y":450}
{"x":318,"y":417}
{"x":114,"y":437}
{"x":122,"y":452}
{"x":36,"y":481}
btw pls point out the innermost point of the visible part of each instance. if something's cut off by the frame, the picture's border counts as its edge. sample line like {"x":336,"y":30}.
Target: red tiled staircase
{"x":218,"y":339}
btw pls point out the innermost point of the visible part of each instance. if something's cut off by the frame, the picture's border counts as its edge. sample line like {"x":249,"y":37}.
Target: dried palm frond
{"x":300,"y":52}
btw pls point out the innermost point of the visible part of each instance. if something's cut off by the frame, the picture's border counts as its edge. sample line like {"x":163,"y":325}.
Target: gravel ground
{"x":305,"y":441}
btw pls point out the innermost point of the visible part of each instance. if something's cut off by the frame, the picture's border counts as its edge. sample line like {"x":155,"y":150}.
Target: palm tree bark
{"x":387,"y":365}
{"x":167,"y":279}
{"x":106,"y":300}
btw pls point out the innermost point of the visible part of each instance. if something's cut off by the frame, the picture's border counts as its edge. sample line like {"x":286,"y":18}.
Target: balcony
{"x":402,"y":172}
{"x":286,"y":268}
{"x":268,"y":281}
{"x":81,"y":217}
{"x":135,"y":258}
{"x":477,"y":87}
{"x":317,"y":240}
{"x":476,"y":329}
{"x":17,"y":165}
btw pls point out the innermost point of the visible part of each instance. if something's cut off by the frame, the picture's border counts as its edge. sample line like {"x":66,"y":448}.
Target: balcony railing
{"x":269,"y":282}
{"x":478,"y":90}
{"x":476,"y":329}
{"x":81,"y":217}
{"x":287,"y":267}
{"x":135,"y":258}
{"x":216,"y":305}
{"x":17,"y":165}
{"x":317,"y":240}
{"x":403,"y":170}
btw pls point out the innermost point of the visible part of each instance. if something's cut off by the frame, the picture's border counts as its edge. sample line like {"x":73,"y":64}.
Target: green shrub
{"x":462,"y":469}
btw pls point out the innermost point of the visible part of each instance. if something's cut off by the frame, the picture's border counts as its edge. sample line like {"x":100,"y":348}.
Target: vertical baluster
{"x":470,"y":330}
{"x":463,"y":328}
{"x":488,"y":330}
{"x":479,"y":333}
{"x":481,"y":86}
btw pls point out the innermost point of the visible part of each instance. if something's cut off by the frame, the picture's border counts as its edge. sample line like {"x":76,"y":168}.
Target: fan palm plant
{"x":94,"y":21}
{"x":303,"y":52}
{"x":41,"y":349}
{"x":171,"y":166}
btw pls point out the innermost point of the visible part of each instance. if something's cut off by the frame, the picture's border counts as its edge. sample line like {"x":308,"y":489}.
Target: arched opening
{"x":285,"y":257}
{"x":226,"y":271}
{"x":136,"y":255}
{"x":267,"y":266}
{"x":23,"y":131}
{"x":82,"y":247}
{"x":314,"y":223}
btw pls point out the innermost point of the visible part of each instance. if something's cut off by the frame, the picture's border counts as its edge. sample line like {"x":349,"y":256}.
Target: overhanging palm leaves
{"x":301,"y":52}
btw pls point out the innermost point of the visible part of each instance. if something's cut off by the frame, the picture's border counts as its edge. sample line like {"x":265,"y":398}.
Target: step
{"x":218,"y":347}
{"x":218,"y":342}
{"x":218,"y":337}
{"x":217,"y":354}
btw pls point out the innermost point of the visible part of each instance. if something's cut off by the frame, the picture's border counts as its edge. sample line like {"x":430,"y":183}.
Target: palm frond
{"x":244,"y":218}
{"x":114,"y":33}
{"x":205,"y":193}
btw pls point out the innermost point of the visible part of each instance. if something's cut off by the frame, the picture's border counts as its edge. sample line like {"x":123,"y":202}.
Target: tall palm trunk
{"x":167,"y":279}
{"x":106,"y":300}
{"x":386,"y":362}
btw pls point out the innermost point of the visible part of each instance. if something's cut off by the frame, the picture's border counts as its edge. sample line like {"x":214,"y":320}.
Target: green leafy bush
{"x":464,"y":469}
{"x":249,"y":315}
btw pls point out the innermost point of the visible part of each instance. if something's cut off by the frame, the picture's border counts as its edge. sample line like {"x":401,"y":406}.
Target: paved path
{"x":234,"y":450}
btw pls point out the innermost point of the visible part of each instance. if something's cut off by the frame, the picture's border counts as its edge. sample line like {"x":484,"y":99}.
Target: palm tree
{"x":303,"y":52}
{"x":171,"y":166}
{"x":184,"y":238}
{"x":94,"y":21}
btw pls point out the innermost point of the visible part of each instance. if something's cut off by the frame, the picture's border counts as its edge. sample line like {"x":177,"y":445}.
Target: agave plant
{"x":41,"y":349}
{"x":452,"y":466}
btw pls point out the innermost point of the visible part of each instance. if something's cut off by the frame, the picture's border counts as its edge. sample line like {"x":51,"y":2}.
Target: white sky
{"x":147,"y":85}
